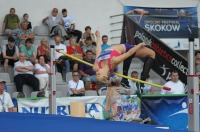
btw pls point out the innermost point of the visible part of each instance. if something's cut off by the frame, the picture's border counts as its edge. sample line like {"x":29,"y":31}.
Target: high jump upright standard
{"x":52,"y":80}
{"x":193,"y":91}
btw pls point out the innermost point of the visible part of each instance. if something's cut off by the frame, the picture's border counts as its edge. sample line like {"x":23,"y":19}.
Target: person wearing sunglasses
{"x":76,"y":86}
{"x":55,"y":24}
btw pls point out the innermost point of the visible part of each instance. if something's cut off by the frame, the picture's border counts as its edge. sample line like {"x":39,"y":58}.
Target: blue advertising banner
{"x":171,"y":111}
{"x":166,"y":22}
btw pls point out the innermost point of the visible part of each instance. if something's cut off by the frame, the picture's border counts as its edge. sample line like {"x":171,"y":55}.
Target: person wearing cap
{"x":23,"y":74}
{"x":10,"y":54}
{"x":6,"y":104}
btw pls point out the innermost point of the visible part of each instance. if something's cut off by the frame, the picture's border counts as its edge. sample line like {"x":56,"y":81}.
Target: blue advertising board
{"x":171,"y":111}
{"x":166,"y":22}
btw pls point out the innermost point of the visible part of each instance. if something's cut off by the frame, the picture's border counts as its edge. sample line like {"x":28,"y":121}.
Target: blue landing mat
{"x":18,"y":122}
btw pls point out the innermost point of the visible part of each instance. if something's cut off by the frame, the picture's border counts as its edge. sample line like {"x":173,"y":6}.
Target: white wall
{"x":95,"y":13}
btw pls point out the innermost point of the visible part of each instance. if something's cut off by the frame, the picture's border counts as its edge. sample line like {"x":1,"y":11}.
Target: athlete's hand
{"x":142,"y":44}
{"x":95,"y":67}
{"x":97,"y":33}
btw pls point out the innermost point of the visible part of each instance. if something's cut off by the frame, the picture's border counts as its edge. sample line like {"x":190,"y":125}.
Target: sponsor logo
{"x":142,"y":37}
{"x":162,"y":52}
{"x":61,"y":110}
{"x":165,"y":72}
{"x":164,"y":69}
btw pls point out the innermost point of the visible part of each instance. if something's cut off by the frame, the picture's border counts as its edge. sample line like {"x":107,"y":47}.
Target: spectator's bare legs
{"x":87,"y":85}
{"x":5,"y":65}
{"x":10,"y":33}
{"x":75,"y":67}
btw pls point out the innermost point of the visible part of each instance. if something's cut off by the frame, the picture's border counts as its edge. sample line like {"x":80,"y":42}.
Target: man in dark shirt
{"x":88,"y":75}
{"x":10,"y":54}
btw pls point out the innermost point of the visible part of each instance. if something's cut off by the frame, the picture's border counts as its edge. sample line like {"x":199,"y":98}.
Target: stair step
{"x":10,"y":72}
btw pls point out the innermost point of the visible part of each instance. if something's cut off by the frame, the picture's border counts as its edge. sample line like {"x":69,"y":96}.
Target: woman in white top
{"x":42,"y":71}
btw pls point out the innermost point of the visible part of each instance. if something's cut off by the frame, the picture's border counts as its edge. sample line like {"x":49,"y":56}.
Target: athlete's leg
{"x":126,"y":66}
{"x":150,"y":56}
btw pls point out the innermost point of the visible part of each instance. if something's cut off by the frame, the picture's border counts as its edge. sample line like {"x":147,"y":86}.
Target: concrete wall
{"x":95,"y":13}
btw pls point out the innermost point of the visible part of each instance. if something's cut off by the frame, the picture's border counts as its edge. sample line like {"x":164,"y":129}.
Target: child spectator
{"x":86,"y":34}
{"x":25,"y":19}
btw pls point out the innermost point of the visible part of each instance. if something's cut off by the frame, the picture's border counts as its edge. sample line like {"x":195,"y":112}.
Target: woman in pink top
{"x":75,"y":51}
{"x":109,"y":59}
{"x":44,"y":50}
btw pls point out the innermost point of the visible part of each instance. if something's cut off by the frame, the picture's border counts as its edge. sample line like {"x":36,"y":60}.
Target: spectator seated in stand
{"x":197,"y":62}
{"x":75,"y":51}
{"x":148,"y":89}
{"x":86,"y":34}
{"x":114,"y":79}
{"x":105,"y":44}
{"x":134,"y":86}
{"x":42,"y":71}
{"x":69,"y":24}
{"x":175,"y":84}
{"x":88,"y":75}
{"x":76,"y":86}
{"x":6,"y":104}
{"x":62,"y":62}
{"x":29,"y":50}
{"x":44,"y":50}
{"x":10,"y":53}
{"x":23,"y":74}
{"x":55,"y":24}
{"x":11,"y":24}
{"x":24,"y":34}
{"x":25,"y":19}
{"x":89,"y":46}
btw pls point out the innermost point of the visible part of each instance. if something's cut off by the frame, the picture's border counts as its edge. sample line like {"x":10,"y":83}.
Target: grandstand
{"x":104,"y":15}
{"x":41,"y":31}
